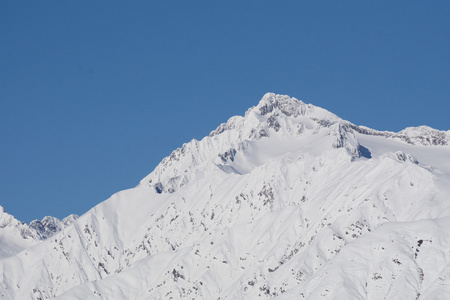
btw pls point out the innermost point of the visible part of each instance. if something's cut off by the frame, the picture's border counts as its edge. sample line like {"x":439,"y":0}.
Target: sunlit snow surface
{"x":288,"y":201}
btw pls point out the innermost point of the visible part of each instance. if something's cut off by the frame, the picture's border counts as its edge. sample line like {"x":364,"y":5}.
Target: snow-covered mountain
{"x":288,"y":201}
{"x":48,"y":226}
{"x":16,"y":236}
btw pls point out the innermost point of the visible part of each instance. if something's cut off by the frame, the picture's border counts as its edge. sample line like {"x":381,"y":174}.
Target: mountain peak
{"x":285,"y":200}
{"x":48,"y":226}
{"x":285,"y":104}
{"x":276,"y":120}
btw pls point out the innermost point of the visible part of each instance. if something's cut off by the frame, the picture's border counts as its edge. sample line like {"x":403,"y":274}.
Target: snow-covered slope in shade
{"x":289,"y":201}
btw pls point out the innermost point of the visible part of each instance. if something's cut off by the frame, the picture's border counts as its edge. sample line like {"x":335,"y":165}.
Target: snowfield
{"x":288,"y":202}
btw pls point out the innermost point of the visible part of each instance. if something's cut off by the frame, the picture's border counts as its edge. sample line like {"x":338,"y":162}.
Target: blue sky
{"x":95,"y":93}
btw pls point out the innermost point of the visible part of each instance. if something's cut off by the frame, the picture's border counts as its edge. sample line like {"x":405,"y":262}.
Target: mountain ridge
{"x":286,"y":201}
{"x":251,"y":126}
{"x":18,"y":235}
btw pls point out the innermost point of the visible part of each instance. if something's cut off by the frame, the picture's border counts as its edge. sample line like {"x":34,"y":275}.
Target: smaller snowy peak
{"x":422,"y":135}
{"x":426,"y":135}
{"x":49,"y":226}
{"x":16,"y":236}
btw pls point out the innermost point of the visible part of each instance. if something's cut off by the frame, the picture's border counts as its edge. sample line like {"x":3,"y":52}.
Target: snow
{"x":16,"y":236}
{"x":288,"y":201}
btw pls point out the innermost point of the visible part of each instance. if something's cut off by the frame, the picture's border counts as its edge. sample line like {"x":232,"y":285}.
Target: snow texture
{"x":288,"y":201}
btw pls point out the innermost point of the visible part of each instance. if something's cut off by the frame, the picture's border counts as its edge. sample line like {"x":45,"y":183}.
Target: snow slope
{"x":288,"y":201}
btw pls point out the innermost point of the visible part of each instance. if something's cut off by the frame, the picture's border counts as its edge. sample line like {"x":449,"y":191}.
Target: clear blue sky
{"x":95,"y":93}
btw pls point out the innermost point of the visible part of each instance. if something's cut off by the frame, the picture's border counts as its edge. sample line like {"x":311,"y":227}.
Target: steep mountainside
{"x":289,"y":201}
